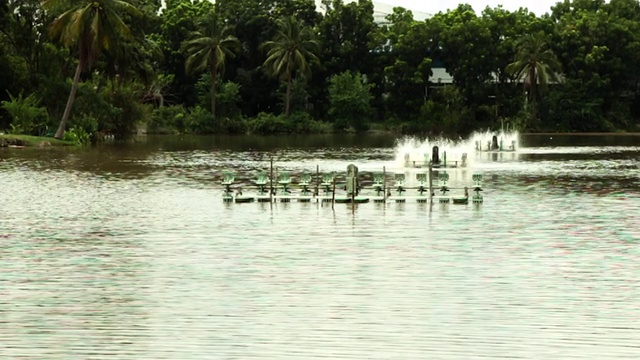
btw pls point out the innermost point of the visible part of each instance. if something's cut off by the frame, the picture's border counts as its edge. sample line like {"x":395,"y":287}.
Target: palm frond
{"x":533,"y":52}
{"x":291,"y":49}
{"x":93,"y":26}
{"x":79,"y":24}
{"x":128,"y":8}
{"x":209,"y":46}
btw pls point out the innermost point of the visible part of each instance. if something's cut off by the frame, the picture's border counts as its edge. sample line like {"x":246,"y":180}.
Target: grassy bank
{"x":28,"y":140}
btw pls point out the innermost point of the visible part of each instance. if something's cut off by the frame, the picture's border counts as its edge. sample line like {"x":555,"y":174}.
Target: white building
{"x":381,"y":10}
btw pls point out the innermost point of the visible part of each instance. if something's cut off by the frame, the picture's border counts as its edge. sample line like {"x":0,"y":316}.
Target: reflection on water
{"x":128,"y":252}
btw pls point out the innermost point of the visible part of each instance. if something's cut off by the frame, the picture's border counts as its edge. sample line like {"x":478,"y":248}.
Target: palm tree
{"x":91,"y":27}
{"x":291,"y":50}
{"x":536,"y":64}
{"x":209,"y":48}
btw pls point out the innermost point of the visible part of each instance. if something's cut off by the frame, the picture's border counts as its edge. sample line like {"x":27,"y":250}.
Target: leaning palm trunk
{"x":72,"y":97}
{"x":91,"y":27}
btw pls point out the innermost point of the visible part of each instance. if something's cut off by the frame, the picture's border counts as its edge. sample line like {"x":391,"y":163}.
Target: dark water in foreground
{"x":127,"y":252}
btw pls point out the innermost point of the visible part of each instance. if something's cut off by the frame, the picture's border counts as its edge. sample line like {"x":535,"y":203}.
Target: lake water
{"x":128,"y":252}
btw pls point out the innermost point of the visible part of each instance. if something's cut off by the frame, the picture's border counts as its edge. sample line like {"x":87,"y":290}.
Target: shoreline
{"x":23,"y":141}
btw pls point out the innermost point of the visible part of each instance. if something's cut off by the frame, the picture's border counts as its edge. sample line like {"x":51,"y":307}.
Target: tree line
{"x":78,"y":69}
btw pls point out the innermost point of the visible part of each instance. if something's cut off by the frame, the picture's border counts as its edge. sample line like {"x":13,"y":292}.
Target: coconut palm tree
{"x":90,"y":27}
{"x":209,"y":48}
{"x":536,"y":64}
{"x":290,"y":52}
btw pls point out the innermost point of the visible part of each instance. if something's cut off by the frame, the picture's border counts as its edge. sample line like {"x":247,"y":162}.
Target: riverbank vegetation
{"x":32,"y":141}
{"x":84,"y":69}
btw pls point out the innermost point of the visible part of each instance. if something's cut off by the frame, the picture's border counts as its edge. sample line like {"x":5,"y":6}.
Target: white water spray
{"x":417,"y":152}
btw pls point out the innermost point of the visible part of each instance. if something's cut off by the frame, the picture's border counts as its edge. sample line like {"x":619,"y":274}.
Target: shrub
{"x":167,"y":120}
{"x":26,"y":114}
{"x":265,"y":124}
{"x":350,"y":101}
{"x":303,"y":123}
{"x":235,"y":125}
{"x":77,"y":135}
{"x":198,"y":121}
{"x":131,"y":112}
{"x":296,"y":123}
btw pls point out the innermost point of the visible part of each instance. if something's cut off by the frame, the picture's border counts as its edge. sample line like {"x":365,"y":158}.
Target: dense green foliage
{"x":283,"y":66}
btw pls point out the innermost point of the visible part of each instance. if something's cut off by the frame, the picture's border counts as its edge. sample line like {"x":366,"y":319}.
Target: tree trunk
{"x":214,"y":80}
{"x":533,"y":83}
{"x":287,"y":105}
{"x":72,"y":96}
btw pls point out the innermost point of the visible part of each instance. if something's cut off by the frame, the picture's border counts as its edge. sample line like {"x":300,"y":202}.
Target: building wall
{"x":381,"y":10}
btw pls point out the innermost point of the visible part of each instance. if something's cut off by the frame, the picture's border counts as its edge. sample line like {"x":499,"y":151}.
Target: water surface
{"x":128,"y":252}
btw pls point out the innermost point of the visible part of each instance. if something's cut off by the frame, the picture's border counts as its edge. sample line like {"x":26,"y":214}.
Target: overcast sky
{"x":538,"y":7}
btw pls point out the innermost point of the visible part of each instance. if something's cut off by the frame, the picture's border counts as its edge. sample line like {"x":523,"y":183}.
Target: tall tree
{"x":350,"y":101}
{"x":90,"y":27}
{"x":178,"y":20}
{"x":534,"y":63}
{"x":348,"y":33}
{"x":290,"y":52}
{"x":407,"y":63}
{"x":209,"y":48}
{"x":506,"y":28}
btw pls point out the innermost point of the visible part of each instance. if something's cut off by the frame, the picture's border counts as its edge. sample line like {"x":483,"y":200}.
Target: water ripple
{"x":152,"y":265}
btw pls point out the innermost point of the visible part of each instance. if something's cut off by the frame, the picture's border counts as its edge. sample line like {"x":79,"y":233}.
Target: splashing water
{"x":505,"y":139}
{"x":418,"y":152}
